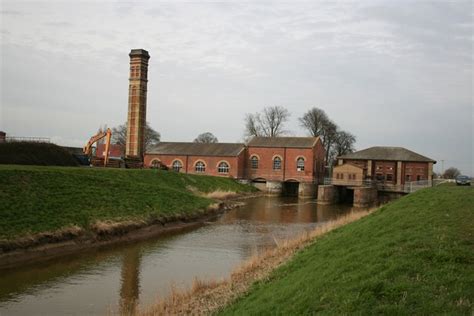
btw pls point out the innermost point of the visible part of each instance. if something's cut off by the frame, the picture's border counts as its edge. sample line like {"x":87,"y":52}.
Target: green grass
{"x":36,"y":199}
{"x":30,"y":153}
{"x":413,"y":256}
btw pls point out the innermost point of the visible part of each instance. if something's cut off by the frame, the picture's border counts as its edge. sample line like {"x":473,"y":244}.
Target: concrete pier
{"x":365,"y":196}
{"x":274,"y":187}
{"x":327,"y":194}
{"x":307,"y":190}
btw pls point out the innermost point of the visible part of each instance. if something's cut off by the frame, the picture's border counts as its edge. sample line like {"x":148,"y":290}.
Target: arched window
{"x":254,"y":162}
{"x":277,"y":163}
{"x":223,"y":167}
{"x":300,"y":164}
{"x":200,"y":166}
{"x":155,"y":163}
{"x":177,"y":165}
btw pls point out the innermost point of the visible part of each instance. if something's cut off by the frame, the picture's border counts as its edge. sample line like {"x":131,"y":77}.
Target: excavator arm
{"x":88,"y":147}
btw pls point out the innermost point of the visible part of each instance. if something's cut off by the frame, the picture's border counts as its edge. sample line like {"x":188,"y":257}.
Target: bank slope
{"x":37,"y":199}
{"x":413,"y":256}
{"x":32,"y":153}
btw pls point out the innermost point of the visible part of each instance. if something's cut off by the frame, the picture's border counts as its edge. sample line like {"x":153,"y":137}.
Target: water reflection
{"x":122,"y":277}
{"x":130,"y":281}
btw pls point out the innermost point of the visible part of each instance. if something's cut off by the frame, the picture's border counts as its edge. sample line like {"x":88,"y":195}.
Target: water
{"x":124,"y":276}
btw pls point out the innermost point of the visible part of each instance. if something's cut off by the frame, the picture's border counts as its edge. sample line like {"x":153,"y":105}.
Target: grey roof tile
{"x":387,"y":153}
{"x":281,"y":142}
{"x":197,"y":149}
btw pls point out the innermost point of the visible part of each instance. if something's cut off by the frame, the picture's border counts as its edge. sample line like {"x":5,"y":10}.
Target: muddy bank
{"x":48,"y":245}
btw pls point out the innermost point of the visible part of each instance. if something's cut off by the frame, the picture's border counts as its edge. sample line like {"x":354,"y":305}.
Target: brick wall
{"x":415,"y":170}
{"x":189,"y":162}
{"x":288,"y":171}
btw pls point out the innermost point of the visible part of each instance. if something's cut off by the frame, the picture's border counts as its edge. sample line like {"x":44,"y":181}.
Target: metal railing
{"x":408,"y":187}
{"x":13,"y":139}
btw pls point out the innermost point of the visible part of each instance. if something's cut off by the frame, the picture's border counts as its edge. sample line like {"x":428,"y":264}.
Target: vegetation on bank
{"x":32,"y":153}
{"x":412,"y":256}
{"x":37,"y":199}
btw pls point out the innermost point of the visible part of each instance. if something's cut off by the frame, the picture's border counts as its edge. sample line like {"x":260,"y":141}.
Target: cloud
{"x":391,"y":73}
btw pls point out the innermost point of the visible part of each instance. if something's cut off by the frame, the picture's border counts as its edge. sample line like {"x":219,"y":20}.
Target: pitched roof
{"x":289,"y":142}
{"x":197,"y":149}
{"x":387,"y":153}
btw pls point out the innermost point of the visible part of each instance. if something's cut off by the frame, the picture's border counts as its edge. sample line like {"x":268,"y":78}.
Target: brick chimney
{"x":137,"y":103}
{"x":3,"y":137}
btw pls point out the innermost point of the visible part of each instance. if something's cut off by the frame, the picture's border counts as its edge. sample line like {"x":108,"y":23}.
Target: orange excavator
{"x":88,"y":147}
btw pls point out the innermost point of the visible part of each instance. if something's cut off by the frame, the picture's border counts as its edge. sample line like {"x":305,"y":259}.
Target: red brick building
{"x":291,"y":164}
{"x":274,"y":164}
{"x":392,"y":166}
{"x":216,"y":159}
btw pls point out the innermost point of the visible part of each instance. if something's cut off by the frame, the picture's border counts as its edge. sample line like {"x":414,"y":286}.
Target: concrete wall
{"x":274,"y":188}
{"x":307,"y":190}
{"x":365,"y":196}
{"x":327,"y":194}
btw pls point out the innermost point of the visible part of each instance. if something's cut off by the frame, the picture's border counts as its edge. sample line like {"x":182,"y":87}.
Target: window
{"x":300,"y":164}
{"x":342,"y":176}
{"x":337,"y":175}
{"x":254,"y":162}
{"x":407,"y":178}
{"x":223,"y":167}
{"x":155,"y":163}
{"x":379,"y":177}
{"x":177,"y":165}
{"x":277,"y":163}
{"x":418,"y":178}
{"x":389,"y":177}
{"x":200,"y":166}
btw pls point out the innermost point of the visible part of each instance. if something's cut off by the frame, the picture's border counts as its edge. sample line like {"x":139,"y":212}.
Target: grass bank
{"x":32,"y":153}
{"x":44,"y":199}
{"x":412,"y":256}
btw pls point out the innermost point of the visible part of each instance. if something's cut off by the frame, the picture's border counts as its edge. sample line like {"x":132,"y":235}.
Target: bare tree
{"x":314,"y":121}
{"x":336,"y":142}
{"x":269,"y":123}
{"x":329,"y":134}
{"x":119,"y":136}
{"x":251,"y":125}
{"x":343,"y":143}
{"x":206,"y":138}
{"x":451,"y":173}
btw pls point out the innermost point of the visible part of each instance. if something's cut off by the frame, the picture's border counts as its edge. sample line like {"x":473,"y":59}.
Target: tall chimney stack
{"x":137,"y":89}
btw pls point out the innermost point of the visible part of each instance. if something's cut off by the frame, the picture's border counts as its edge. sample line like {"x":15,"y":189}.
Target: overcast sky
{"x":392,"y":73}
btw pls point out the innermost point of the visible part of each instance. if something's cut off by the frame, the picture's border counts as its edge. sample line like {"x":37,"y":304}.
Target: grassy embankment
{"x":38,"y":199}
{"x":413,"y":256}
{"x":31,"y":153}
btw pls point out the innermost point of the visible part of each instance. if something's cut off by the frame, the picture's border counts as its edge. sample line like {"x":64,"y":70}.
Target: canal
{"x":104,"y":280}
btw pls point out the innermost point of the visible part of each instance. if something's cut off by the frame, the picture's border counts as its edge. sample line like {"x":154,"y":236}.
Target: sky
{"x":393,"y":73}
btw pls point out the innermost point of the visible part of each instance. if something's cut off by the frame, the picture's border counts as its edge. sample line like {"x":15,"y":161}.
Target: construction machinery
{"x":94,"y":139}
